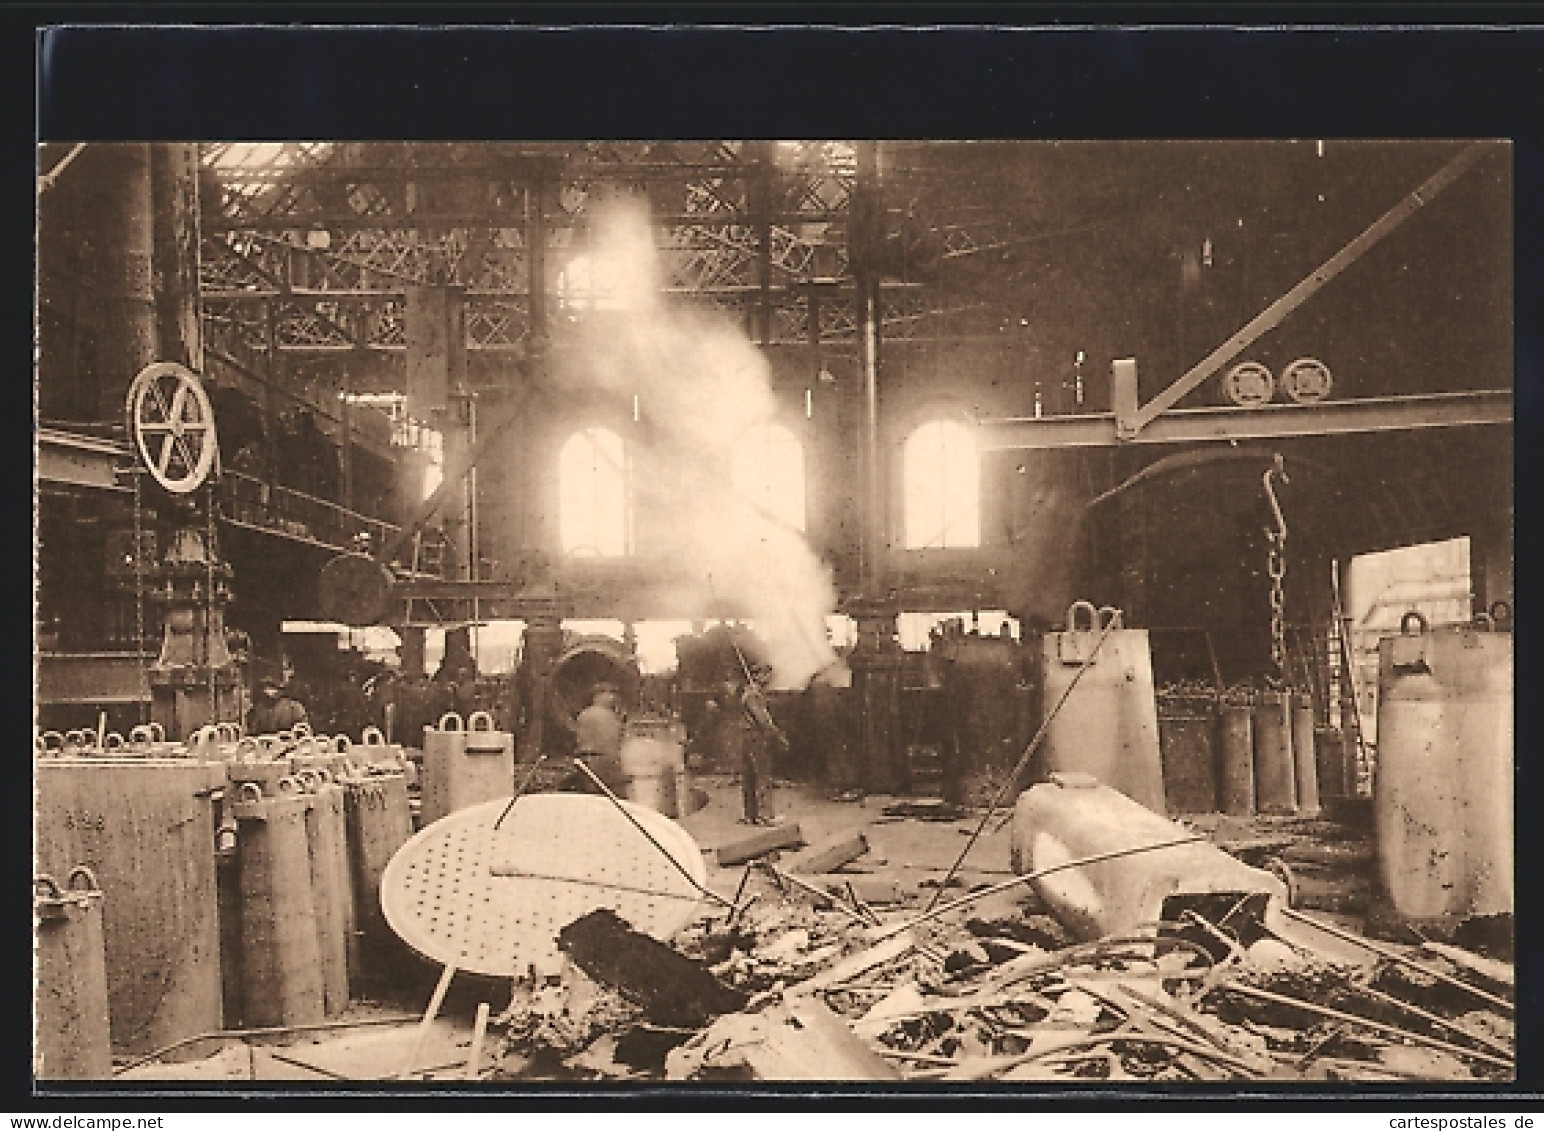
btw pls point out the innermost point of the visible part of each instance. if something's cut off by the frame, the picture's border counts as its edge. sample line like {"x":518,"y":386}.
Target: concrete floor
{"x":906,"y":849}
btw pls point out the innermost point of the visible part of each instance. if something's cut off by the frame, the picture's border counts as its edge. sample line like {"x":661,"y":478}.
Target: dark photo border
{"x":343,"y":72}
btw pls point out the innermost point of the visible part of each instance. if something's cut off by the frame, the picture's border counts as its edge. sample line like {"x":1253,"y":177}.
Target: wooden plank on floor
{"x":758,"y":843}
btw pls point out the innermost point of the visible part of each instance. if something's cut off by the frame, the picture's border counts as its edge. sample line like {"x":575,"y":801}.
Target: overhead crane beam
{"x":1197,"y":425}
{"x":793,"y":293}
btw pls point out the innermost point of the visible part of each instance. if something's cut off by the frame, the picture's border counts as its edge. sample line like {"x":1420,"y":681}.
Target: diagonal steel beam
{"x":451,"y":480}
{"x":1272,"y":316}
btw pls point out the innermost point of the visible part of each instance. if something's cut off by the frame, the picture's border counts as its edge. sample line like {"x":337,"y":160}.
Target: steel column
{"x":120,"y":205}
{"x":865,"y":220}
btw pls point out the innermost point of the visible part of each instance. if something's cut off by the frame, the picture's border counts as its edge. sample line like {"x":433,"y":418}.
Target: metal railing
{"x":250,"y":501}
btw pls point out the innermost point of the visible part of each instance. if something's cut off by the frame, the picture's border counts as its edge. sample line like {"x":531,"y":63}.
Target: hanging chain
{"x":209,"y":605}
{"x":1276,"y":569}
{"x":139,"y":595}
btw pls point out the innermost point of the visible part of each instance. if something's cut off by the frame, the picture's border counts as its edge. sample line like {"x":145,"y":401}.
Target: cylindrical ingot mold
{"x":1442,"y":793}
{"x":72,"y":1038}
{"x":379,"y":823}
{"x":280,"y":957}
{"x":1235,"y":744}
{"x":465,"y":765}
{"x":145,"y":826}
{"x":1275,"y":766}
{"x":1304,"y":763}
{"x":327,"y":849}
{"x":1107,"y":724}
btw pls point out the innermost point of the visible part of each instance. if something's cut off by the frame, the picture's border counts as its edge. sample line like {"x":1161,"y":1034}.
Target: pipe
{"x":266,"y":1031}
{"x":1395,"y":956}
{"x":1366,"y":1023}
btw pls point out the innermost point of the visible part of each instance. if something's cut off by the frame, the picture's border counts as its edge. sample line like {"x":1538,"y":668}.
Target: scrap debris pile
{"x":795,"y":982}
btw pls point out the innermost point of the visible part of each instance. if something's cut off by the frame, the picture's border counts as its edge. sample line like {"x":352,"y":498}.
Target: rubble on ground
{"x":828,"y":990}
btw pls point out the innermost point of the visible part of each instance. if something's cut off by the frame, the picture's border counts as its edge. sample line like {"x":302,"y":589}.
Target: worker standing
{"x":598,"y":738}
{"x":275,"y":709}
{"x":753,"y":731}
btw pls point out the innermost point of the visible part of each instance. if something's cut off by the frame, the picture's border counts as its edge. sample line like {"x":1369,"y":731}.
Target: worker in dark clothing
{"x":275,"y":709}
{"x":751,"y":734}
{"x":598,"y":740}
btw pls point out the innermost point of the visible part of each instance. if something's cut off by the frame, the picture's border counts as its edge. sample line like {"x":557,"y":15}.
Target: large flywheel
{"x":171,"y":423}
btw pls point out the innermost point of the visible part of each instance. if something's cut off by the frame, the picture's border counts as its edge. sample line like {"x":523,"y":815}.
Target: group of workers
{"x":737,"y":711}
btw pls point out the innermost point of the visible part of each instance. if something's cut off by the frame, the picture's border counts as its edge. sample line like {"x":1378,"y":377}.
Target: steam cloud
{"x":702,"y":384}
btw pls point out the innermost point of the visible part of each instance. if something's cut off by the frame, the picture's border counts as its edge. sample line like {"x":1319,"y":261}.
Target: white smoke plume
{"x":701,"y":384}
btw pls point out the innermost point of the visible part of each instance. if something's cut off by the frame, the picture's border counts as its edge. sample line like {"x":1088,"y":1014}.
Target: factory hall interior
{"x":652,"y":613}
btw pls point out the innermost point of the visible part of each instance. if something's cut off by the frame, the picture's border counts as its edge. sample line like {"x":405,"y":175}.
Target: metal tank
{"x":1108,"y":725}
{"x":1235,"y":770}
{"x":1442,"y":787}
{"x":145,"y":827}
{"x":71,"y":1028}
{"x":1140,"y":859}
{"x":1274,"y":764}
{"x":465,"y":764}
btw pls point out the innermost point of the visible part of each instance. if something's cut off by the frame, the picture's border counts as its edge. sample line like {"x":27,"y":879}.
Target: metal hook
{"x":1277,"y":471}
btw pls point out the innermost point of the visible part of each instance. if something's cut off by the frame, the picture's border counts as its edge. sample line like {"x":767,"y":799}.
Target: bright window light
{"x":592,"y":495}
{"x":768,"y":469}
{"x":600,"y":627}
{"x":841,"y":630}
{"x":498,"y":644}
{"x":594,"y":284}
{"x":656,"y":644}
{"x":942,"y":474}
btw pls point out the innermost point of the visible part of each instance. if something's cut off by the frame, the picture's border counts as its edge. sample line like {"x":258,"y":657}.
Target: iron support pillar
{"x":543,"y":642}
{"x":174,"y":190}
{"x":458,"y":664}
{"x":866,"y":237}
{"x":876,"y":690}
{"x":194,"y":680}
{"x":412,"y":651}
{"x":118,"y":207}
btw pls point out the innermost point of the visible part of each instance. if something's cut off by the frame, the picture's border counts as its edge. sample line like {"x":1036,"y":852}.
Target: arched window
{"x":767,"y":468}
{"x":588,"y":284}
{"x":941,"y":472}
{"x":592,"y":495}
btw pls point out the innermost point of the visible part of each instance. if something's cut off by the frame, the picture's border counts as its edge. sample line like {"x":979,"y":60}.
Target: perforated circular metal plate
{"x":492,"y":901}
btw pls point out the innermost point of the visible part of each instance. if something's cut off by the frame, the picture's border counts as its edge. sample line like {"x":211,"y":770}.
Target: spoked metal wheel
{"x":172,"y":425}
